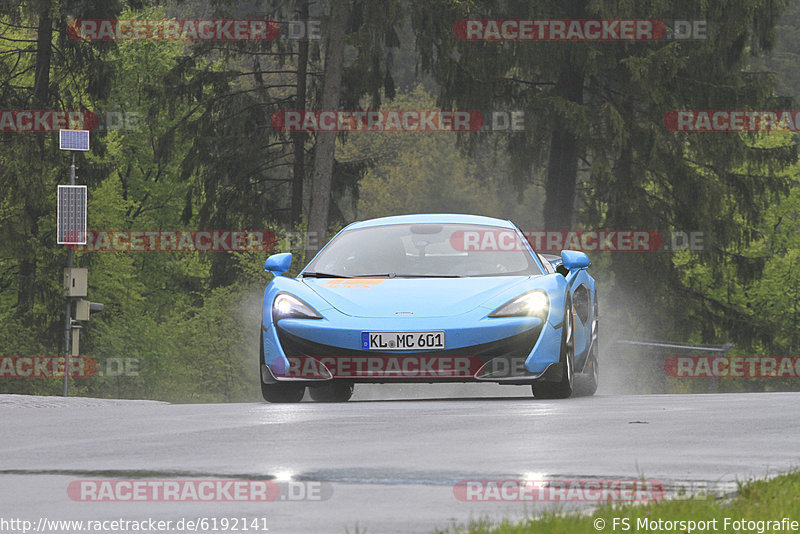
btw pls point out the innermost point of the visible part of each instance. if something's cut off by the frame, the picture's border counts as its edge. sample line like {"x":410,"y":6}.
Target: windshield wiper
{"x":308,"y":274}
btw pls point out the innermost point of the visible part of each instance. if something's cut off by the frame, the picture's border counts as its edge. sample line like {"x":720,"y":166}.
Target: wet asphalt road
{"x":381,"y":465}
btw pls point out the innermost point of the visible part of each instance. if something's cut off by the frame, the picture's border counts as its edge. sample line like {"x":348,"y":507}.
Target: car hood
{"x":413,"y":297}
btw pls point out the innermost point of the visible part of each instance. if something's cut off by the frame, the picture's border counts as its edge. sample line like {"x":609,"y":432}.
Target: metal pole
{"x":68,"y":310}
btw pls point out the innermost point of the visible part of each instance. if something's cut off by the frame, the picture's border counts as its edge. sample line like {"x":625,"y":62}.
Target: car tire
{"x":281,"y":393}
{"x":586,"y":382}
{"x":277,"y":392}
{"x":333,"y":392}
{"x":563,"y":388}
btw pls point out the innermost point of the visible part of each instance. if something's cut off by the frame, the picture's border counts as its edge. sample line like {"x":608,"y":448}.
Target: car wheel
{"x":586,"y":381}
{"x":278,"y":392}
{"x":563,"y":388}
{"x":333,"y":392}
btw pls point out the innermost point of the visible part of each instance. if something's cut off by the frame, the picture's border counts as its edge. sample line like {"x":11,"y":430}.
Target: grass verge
{"x":759,"y":506}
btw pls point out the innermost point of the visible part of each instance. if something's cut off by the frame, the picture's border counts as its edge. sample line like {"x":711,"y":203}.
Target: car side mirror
{"x":573,"y":259}
{"x":278,"y":264}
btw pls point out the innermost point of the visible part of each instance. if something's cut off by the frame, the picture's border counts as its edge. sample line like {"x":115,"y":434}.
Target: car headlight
{"x":534,"y":304}
{"x":287,"y":306}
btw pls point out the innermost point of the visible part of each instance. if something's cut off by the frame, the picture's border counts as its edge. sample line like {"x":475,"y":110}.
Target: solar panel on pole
{"x":71,"y":226}
{"x":73,"y":140}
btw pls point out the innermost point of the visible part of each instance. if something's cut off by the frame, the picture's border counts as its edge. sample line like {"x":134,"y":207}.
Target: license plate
{"x":402,"y":340}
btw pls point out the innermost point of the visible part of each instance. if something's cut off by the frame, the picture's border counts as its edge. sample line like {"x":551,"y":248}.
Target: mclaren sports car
{"x":429,"y":298}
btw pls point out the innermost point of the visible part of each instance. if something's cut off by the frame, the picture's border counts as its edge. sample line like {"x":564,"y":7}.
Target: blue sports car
{"x":429,"y":298}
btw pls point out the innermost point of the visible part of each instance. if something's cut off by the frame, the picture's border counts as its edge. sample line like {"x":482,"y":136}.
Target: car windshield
{"x":424,"y":250}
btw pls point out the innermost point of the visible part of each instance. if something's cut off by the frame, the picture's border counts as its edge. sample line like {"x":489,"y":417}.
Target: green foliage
{"x":205,"y":157}
{"x":756,"y":500}
{"x":418,"y":173}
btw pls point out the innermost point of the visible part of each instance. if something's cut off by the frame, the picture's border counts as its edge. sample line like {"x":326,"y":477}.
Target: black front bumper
{"x":499,"y":361}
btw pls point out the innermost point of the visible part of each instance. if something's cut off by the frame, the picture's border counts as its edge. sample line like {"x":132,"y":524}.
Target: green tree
{"x":418,"y":172}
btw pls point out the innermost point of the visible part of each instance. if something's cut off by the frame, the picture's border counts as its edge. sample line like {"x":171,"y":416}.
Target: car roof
{"x":433,"y":218}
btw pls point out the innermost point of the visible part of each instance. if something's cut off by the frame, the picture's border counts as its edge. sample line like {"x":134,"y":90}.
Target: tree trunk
{"x":324,"y":151}
{"x":562,"y":168}
{"x":41,"y":84}
{"x":26,"y":288}
{"x":299,"y":138}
